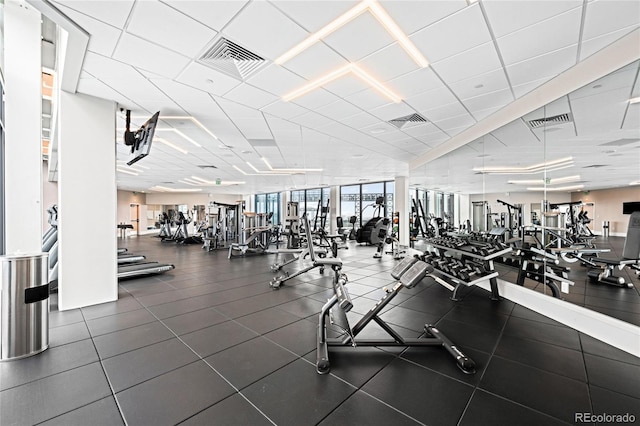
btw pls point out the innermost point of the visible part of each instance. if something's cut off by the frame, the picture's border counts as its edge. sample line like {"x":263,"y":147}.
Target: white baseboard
{"x":610,"y":330}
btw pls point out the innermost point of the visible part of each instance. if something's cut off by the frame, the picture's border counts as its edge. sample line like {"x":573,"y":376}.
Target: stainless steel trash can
{"x":24,"y":305}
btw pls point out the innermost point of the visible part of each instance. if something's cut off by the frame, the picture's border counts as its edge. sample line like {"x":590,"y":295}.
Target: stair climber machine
{"x":165,"y":226}
{"x":375,"y":231}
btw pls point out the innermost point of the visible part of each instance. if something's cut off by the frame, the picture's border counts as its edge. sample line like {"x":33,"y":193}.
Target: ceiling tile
{"x":359,"y":38}
{"x":431,"y":99}
{"x":549,"y":65}
{"x":253,"y":128}
{"x":413,"y":15}
{"x":623,"y":78}
{"x":605,"y":16}
{"x":338,"y":110}
{"x":392,"y":111}
{"x":358,"y":121}
{"x":415,"y":82}
{"x":462,"y":121}
{"x":112,"y":13}
{"x":389,"y":63}
{"x":214,"y":14}
{"x":312,"y":120}
{"x":148,"y":56}
{"x":250,"y":96}
{"x":315,"y":62}
{"x":284,"y":109}
{"x":277,"y":32}
{"x":315,"y":99}
{"x":367,"y":99}
{"x":489,"y":100}
{"x":276,"y":79}
{"x":539,"y":39}
{"x":150,"y":21}
{"x":347,"y":85}
{"x":524,"y":88}
{"x":470,"y":63}
{"x":94,"y":87}
{"x":600,"y":113}
{"x":454,"y":34}
{"x":481,"y":84}
{"x":484,"y":113}
{"x":454,"y":109}
{"x":103,"y":37}
{"x":207,"y":79}
{"x":515,"y":133}
{"x":509,"y":16}
{"x":313,"y":15}
{"x":591,"y":46}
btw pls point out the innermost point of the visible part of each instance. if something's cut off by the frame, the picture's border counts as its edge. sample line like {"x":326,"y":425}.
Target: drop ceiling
{"x":484,"y":55}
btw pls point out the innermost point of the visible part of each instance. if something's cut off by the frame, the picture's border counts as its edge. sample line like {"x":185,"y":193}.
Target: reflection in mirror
{"x":565,"y":169}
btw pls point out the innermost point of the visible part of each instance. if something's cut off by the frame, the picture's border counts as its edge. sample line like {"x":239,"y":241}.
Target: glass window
{"x":273,"y":206}
{"x":370,"y":193}
{"x":350,"y":203}
{"x":326,"y":195}
{"x":439,"y":205}
{"x":261,"y":203}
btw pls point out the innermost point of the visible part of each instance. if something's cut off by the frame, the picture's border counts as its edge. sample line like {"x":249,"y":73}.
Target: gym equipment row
{"x":408,"y":273}
{"x":460,"y":262}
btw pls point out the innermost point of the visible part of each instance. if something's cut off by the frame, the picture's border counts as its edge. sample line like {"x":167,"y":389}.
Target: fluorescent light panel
{"x":262,"y":173}
{"x":535,"y":168}
{"x":558,"y":188}
{"x":265,"y":161}
{"x":378,"y":12}
{"x":340,"y":72}
{"x":634,"y":100}
{"x":566,"y":179}
{"x":165,"y":189}
{"x":171,"y":129}
{"x":129,"y":172}
{"x":185,"y":117}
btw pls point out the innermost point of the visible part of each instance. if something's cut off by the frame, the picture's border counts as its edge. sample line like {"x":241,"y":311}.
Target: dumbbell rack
{"x":468,"y":251}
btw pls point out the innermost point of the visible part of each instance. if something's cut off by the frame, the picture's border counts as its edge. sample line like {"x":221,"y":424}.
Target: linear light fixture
{"x":262,"y":173}
{"x":635,"y":182}
{"x":199,"y":181}
{"x":165,"y":189}
{"x":183,"y":117}
{"x":527,"y":170}
{"x":340,"y":72}
{"x":559,"y":188}
{"x":378,"y":12}
{"x":634,"y":100}
{"x":265,"y":161}
{"x":566,"y":179}
{"x":171,"y":145}
{"x":129,"y":172}
{"x":171,"y":129}
{"x":188,"y":183}
{"x":124,"y":166}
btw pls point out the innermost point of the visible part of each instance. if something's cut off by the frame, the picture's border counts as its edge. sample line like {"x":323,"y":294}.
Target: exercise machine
{"x":408,"y":273}
{"x":513,"y":221}
{"x":165,"y":226}
{"x":630,"y":258}
{"x":375,"y":231}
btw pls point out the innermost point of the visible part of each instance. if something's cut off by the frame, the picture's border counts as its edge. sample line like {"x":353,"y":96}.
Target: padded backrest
{"x":402,"y":267}
{"x":415,"y":274}
{"x":632,"y":242}
{"x":307,"y":230}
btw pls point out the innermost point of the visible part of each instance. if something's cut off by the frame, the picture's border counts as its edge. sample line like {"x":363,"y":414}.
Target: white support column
{"x":23,"y":152}
{"x":87,"y":201}
{"x":334,"y":208}
{"x":402,"y":206}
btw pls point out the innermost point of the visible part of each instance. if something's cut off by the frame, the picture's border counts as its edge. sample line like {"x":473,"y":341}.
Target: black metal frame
{"x":431,"y":337}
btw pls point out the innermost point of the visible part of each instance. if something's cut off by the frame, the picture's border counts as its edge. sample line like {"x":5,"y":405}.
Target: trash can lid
{"x":16,"y":256}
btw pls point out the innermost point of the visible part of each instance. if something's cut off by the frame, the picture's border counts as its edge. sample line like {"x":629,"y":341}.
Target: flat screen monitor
{"x":142,"y":139}
{"x":630,"y":207}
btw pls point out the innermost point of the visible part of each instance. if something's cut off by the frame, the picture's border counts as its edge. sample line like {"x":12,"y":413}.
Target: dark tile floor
{"x":211,"y":344}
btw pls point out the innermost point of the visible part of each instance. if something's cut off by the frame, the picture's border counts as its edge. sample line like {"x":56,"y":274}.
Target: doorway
{"x":134,"y":214}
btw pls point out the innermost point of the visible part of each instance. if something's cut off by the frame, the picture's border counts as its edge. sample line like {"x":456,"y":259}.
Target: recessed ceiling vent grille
{"x":408,"y":120}
{"x":550,"y":121}
{"x":207,"y":166}
{"x":232,"y":59}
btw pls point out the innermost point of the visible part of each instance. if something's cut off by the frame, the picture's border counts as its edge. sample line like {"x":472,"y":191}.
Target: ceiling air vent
{"x":207,"y":166}
{"x":232,"y":59}
{"x":595,"y":166}
{"x":550,"y":121}
{"x":414,"y":119}
{"x":620,"y":142}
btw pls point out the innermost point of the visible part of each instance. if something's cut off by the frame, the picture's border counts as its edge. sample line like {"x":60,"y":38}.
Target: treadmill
{"x":143,"y":268}
{"x":130,"y":258}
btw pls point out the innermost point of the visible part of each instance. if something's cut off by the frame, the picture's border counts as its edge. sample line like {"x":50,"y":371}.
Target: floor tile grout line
{"x":214,"y":370}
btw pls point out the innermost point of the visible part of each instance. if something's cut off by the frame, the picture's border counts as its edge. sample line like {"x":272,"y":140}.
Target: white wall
{"x":23,"y":155}
{"x":402,"y":206}
{"x":608,"y":206}
{"x":86,"y":201}
{"x":49,"y":196}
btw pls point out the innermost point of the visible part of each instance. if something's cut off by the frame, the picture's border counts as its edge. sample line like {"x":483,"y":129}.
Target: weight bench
{"x":276,"y":282}
{"x":630,"y":257}
{"x":409,"y":272}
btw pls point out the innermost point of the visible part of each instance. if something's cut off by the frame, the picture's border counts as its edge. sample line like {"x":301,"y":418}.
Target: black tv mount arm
{"x":129,"y":136}
{"x":510,"y":206}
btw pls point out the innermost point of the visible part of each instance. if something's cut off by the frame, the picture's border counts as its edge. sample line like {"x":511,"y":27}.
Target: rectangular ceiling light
{"x":265,"y":161}
{"x":527,"y":170}
{"x":559,"y":188}
{"x":169,"y":144}
{"x":129,"y":172}
{"x":566,"y":179}
{"x":379,"y":13}
{"x":340,"y":72}
{"x":634,"y":100}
